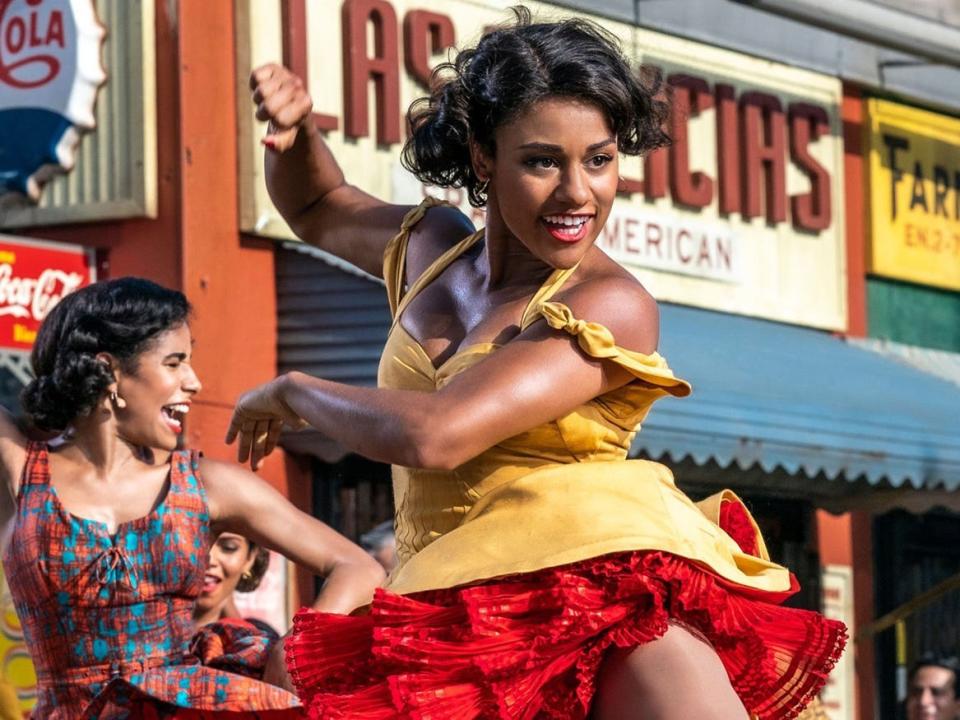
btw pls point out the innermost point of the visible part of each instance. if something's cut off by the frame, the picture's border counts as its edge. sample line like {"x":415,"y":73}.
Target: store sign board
{"x":34,"y":277}
{"x":914,"y":195}
{"x":50,"y":72}
{"x":836,"y":582}
{"x":743,"y":214}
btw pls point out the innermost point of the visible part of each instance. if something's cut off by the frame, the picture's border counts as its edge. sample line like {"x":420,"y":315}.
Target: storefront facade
{"x":752,"y":231}
{"x":913,"y":290}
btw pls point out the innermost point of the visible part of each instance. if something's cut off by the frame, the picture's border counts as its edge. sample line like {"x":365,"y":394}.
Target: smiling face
{"x":157,"y":391}
{"x":230,"y":556}
{"x":553,"y":178}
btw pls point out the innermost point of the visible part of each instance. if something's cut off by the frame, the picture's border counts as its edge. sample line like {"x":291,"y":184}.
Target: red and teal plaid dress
{"x":108,"y":617}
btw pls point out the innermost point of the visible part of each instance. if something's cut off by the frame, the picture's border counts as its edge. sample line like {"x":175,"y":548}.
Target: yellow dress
{"x":557,"y":496}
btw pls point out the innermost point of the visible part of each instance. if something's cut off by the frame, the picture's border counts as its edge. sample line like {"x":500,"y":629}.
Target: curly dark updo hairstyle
{"x":120,"y":317}
{"x":513,"y":67}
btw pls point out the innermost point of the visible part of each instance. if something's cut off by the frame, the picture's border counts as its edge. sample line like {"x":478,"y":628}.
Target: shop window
{"x":787,"y":527}
{"x":352,"y":496}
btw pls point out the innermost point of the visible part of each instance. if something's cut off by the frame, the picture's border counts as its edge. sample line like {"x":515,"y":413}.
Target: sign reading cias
{"x":50,"y":72}
{"x":34,"y":277}
{"x":742,"y":214}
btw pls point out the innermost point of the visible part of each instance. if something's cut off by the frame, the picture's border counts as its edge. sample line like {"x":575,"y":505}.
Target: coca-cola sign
{"x":34,"y":277}
{"x":50,"y":72}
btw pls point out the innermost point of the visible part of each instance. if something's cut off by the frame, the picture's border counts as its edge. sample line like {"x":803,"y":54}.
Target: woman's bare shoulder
{"x":605,"y":293}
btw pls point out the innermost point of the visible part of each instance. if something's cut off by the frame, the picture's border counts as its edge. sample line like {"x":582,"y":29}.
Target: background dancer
{"x":225,"y":639}
{"x":235,"y":564}
{"x":541,"y":573}
{"x":108,"y":551}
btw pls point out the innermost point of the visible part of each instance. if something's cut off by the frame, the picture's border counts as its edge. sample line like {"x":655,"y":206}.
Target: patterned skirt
{"x":219,"y":679}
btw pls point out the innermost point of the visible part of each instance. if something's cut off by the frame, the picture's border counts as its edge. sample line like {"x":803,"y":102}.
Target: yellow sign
{"x":914,"y":195}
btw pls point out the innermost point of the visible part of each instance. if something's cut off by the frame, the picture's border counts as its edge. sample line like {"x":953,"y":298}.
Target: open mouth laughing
{"x":174,"y":415}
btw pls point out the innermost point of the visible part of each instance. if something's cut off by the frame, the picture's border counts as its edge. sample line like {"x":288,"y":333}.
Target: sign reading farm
{"x":914,"y":195}
{"x":742,"y":214}
{"x":50,"y":72}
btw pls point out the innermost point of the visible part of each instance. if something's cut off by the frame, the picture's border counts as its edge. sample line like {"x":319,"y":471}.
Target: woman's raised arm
{"x":306,"y":183}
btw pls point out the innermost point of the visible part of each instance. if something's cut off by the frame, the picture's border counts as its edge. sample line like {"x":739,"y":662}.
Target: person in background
{"x":225,"y":639}
{"x":236,"y":564}
{"x":381,"y":543}
{"x":932,"y":689}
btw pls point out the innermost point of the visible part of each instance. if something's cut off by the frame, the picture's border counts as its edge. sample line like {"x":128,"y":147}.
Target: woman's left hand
{"x":258,"y":418}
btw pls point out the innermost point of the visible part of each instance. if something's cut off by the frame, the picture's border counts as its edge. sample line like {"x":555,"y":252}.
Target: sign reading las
{"x":914,"y":195}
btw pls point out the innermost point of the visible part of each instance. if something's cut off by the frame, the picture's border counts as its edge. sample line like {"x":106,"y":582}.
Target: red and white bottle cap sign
{"x":50,"y":72}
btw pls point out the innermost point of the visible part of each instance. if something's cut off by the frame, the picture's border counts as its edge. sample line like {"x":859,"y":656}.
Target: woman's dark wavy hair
{"x":513,"y":67}
{"x":120,"y":317}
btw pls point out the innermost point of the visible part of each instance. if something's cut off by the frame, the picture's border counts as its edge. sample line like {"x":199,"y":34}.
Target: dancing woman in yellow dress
{"x":542,"y":574}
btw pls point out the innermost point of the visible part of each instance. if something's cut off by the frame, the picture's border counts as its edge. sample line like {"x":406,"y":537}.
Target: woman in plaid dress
{"x":107,"y":550}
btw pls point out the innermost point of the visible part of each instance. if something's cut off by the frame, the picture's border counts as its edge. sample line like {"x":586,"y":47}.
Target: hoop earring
{"x":117,"y":400}
{"x":482,"y":186}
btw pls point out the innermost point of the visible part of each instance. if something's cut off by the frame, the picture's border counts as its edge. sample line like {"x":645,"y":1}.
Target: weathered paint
{"x":913,"y":314}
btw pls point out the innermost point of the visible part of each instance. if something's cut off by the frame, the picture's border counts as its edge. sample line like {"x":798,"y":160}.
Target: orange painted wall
{"x":229,"y":277}
{"x":859,"y":523}
{"x":852,"y":115}
{"x":846,"y":540}
{"x":229,"y":281}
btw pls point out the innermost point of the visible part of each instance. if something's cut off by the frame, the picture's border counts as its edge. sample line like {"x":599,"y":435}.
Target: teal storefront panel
{"x":913,"y":314}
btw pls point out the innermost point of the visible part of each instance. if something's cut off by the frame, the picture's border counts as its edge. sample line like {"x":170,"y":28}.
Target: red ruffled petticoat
{"x":530,"y":646}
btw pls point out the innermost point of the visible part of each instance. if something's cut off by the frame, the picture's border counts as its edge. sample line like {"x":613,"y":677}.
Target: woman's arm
{"x":242,"y":503}
{"x":537,"y":377}
{"x":309,"y":189}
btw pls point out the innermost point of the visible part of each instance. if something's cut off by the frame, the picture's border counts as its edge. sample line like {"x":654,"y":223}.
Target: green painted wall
{"x":913,"y":314}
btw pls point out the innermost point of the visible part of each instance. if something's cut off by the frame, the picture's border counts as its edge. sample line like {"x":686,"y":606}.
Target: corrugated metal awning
{"x":803,"y":401}
{"x":943,"y":364}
